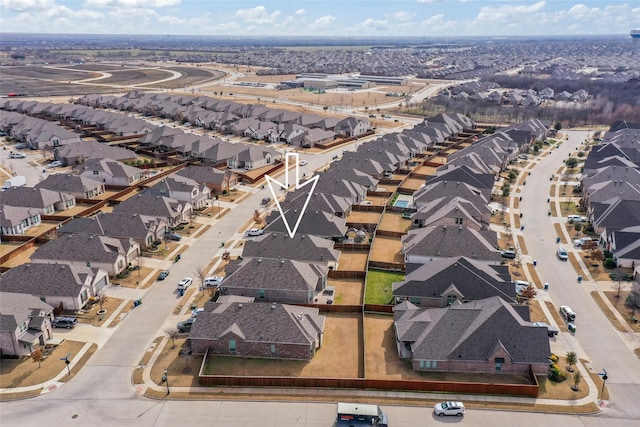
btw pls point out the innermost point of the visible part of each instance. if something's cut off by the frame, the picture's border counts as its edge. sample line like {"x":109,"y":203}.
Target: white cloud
{"x":172,"y":20}
{"x":132,"y":3}
{"x":323,"y":22}
{"x":372,"y":25}
{"x":436,"y":24}
{"x":258,"y":15}
{"x":426,"y":1}
{"x":403,"y":16}
{"x":299,"y":12}
{"x":22,"y":5}
{"x":508,"y":12}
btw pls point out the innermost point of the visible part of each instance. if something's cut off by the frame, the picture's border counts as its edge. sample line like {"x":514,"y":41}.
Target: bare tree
{"x":529,"y":292}
{"x":201,"y":275}
{"x":102,"y":298}
{"x":173,"y":334}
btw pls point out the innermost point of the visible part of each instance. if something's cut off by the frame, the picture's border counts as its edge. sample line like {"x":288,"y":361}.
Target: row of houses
{"x":456,"y":308}
{"x":255,"y":121}
{"x":611,"y":192}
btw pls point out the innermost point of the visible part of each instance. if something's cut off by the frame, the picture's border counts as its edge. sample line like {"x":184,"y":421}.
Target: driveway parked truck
{"x":357,"y":414}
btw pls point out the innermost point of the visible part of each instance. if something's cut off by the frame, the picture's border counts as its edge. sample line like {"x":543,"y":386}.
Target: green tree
{"x":557,"y":126}
{"x":577,"y":377}
{"x":572,"y":359}
{"x":571,"y":162}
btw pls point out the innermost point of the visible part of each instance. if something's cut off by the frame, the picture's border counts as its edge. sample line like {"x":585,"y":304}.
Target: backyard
{"x":378,"y":289}
{"x":387,"y":250}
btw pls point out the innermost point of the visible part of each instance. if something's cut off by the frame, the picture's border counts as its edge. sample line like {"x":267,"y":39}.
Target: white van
{"x":576,"y":218}
{"x":562,"y":254}
{"x":567,"y":313}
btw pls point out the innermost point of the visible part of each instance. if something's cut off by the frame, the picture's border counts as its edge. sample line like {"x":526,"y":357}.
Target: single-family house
{"x":173,"y":211}
{"x":217,"y":180}
{"x":18,"y":219}
{"x":40,"y":200}
{"x":484,"y":336}
{"x":110,"y":172}
{"x":182,"y":189}
{"x":25,"y":324}
{"x":301,"y":247}
{"x":81,"y":187}
{"x":273,"y":331}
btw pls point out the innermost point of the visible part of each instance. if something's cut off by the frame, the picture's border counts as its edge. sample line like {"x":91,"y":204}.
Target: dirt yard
{"x":353,"y":261}
{"x":386,"y":249}
{"x":347,"y":291}
{"x":377,"y":200}
{"x":412,"y":184}
{"x":25,"y":372}
{"x":425,"y":170}
{"x":393,"y":221}
{"x":360,"y":218}
{"x":335,"y":359}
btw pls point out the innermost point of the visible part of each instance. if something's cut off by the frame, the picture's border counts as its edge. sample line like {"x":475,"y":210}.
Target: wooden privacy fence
{"x":528,"y":390}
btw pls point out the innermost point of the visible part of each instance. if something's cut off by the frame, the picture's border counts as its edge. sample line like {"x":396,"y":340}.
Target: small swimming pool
{"x":401,"y":203}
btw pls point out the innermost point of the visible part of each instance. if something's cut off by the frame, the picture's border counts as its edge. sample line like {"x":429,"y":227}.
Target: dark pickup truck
{"x":551,"y":330}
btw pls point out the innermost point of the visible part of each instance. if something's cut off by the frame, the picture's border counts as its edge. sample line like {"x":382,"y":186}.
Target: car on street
{"x":266,"y":200}
{"x":255,"y":232}
{"x":13,"y":155}
{"x":303,"y":163}
{"x":562,"y":254}
{"x":54,"y":164}
{"x":449,"y":408}
{"x":64,"y":322}
{"x":163,"y":274}
{"x":185,"y":325}
{"x":185,"y":283}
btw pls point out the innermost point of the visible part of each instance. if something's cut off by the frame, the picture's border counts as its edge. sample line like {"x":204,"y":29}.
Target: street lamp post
{"x":165,"y":378}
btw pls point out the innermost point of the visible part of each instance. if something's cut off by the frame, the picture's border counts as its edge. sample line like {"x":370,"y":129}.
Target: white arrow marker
{"x":270,"y":181}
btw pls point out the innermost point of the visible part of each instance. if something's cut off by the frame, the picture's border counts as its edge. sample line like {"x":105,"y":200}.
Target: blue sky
{"x":322,"y":17}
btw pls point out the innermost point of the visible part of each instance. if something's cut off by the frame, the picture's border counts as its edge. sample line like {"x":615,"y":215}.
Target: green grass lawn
{"x":569,"y":208}
{"x":379,"y":286}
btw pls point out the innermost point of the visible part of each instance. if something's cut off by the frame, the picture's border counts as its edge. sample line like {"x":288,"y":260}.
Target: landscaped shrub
{"x":553,"y":358}
{"x":609,"y":263}
{"x":556,"y":375}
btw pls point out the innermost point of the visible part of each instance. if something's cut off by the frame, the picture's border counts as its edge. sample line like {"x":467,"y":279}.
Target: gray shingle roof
{"x":45,"y":279}
{"x":273,"y":273}
{"x":473,"y":279}
{"x":18,"y":307}
{"x":470,"y":331}
{"x":452,"y":242}
{"x":82,"y":247}
{"x":301,"y":247}
{"x":31,"y":197}
{"x":259,"y":322}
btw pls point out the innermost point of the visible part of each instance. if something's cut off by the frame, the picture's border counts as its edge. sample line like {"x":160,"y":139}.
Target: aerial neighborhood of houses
{"x":423,"y":205}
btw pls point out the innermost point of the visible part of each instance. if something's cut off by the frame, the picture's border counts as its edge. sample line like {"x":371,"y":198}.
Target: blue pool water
{"x":402,"y":203}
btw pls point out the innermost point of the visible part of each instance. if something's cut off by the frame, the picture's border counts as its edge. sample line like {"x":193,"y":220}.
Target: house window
{"x":84,"y":296}
{"x":459,"y":221}
{"x":451,"y":299}
{"x":428,"y":364}
{"x":415,"y":300}
{"x":96,"y":172}
{"x":23,"y":327}
{"x":262,"y":294}
{"x":43,"y":299}
{"x":273,"y":348}
{"x":232,"y":346}
{"x":499,"y":362}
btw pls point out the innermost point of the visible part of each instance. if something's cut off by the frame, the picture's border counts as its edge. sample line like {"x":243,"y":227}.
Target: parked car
{"x":567,"y":313}
{"x":577,"y":218}
{"x":64,"y":322}
{"x":562,"y":253}
{"x":185,"y":283}
{"x":213,"y":281}
{"x":185,"y":325}
{"x":449,"y":408}
{"x":303,"y":163}
{"x":255,"y":232}
{"x":13,"y":155}
{"x":266,"y":200}
{"x":163,"y":275}
{"x":54,"y":164}
{"x":551,"y":330}
{"x":579,"y":242}
{"x":197,"y":311}
{"x":508,"y":254}
{"x":173,"y":236}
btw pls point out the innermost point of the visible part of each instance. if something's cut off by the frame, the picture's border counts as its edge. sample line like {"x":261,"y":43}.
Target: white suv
{"x":449,"y":408}
{"x":184,"y":283}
